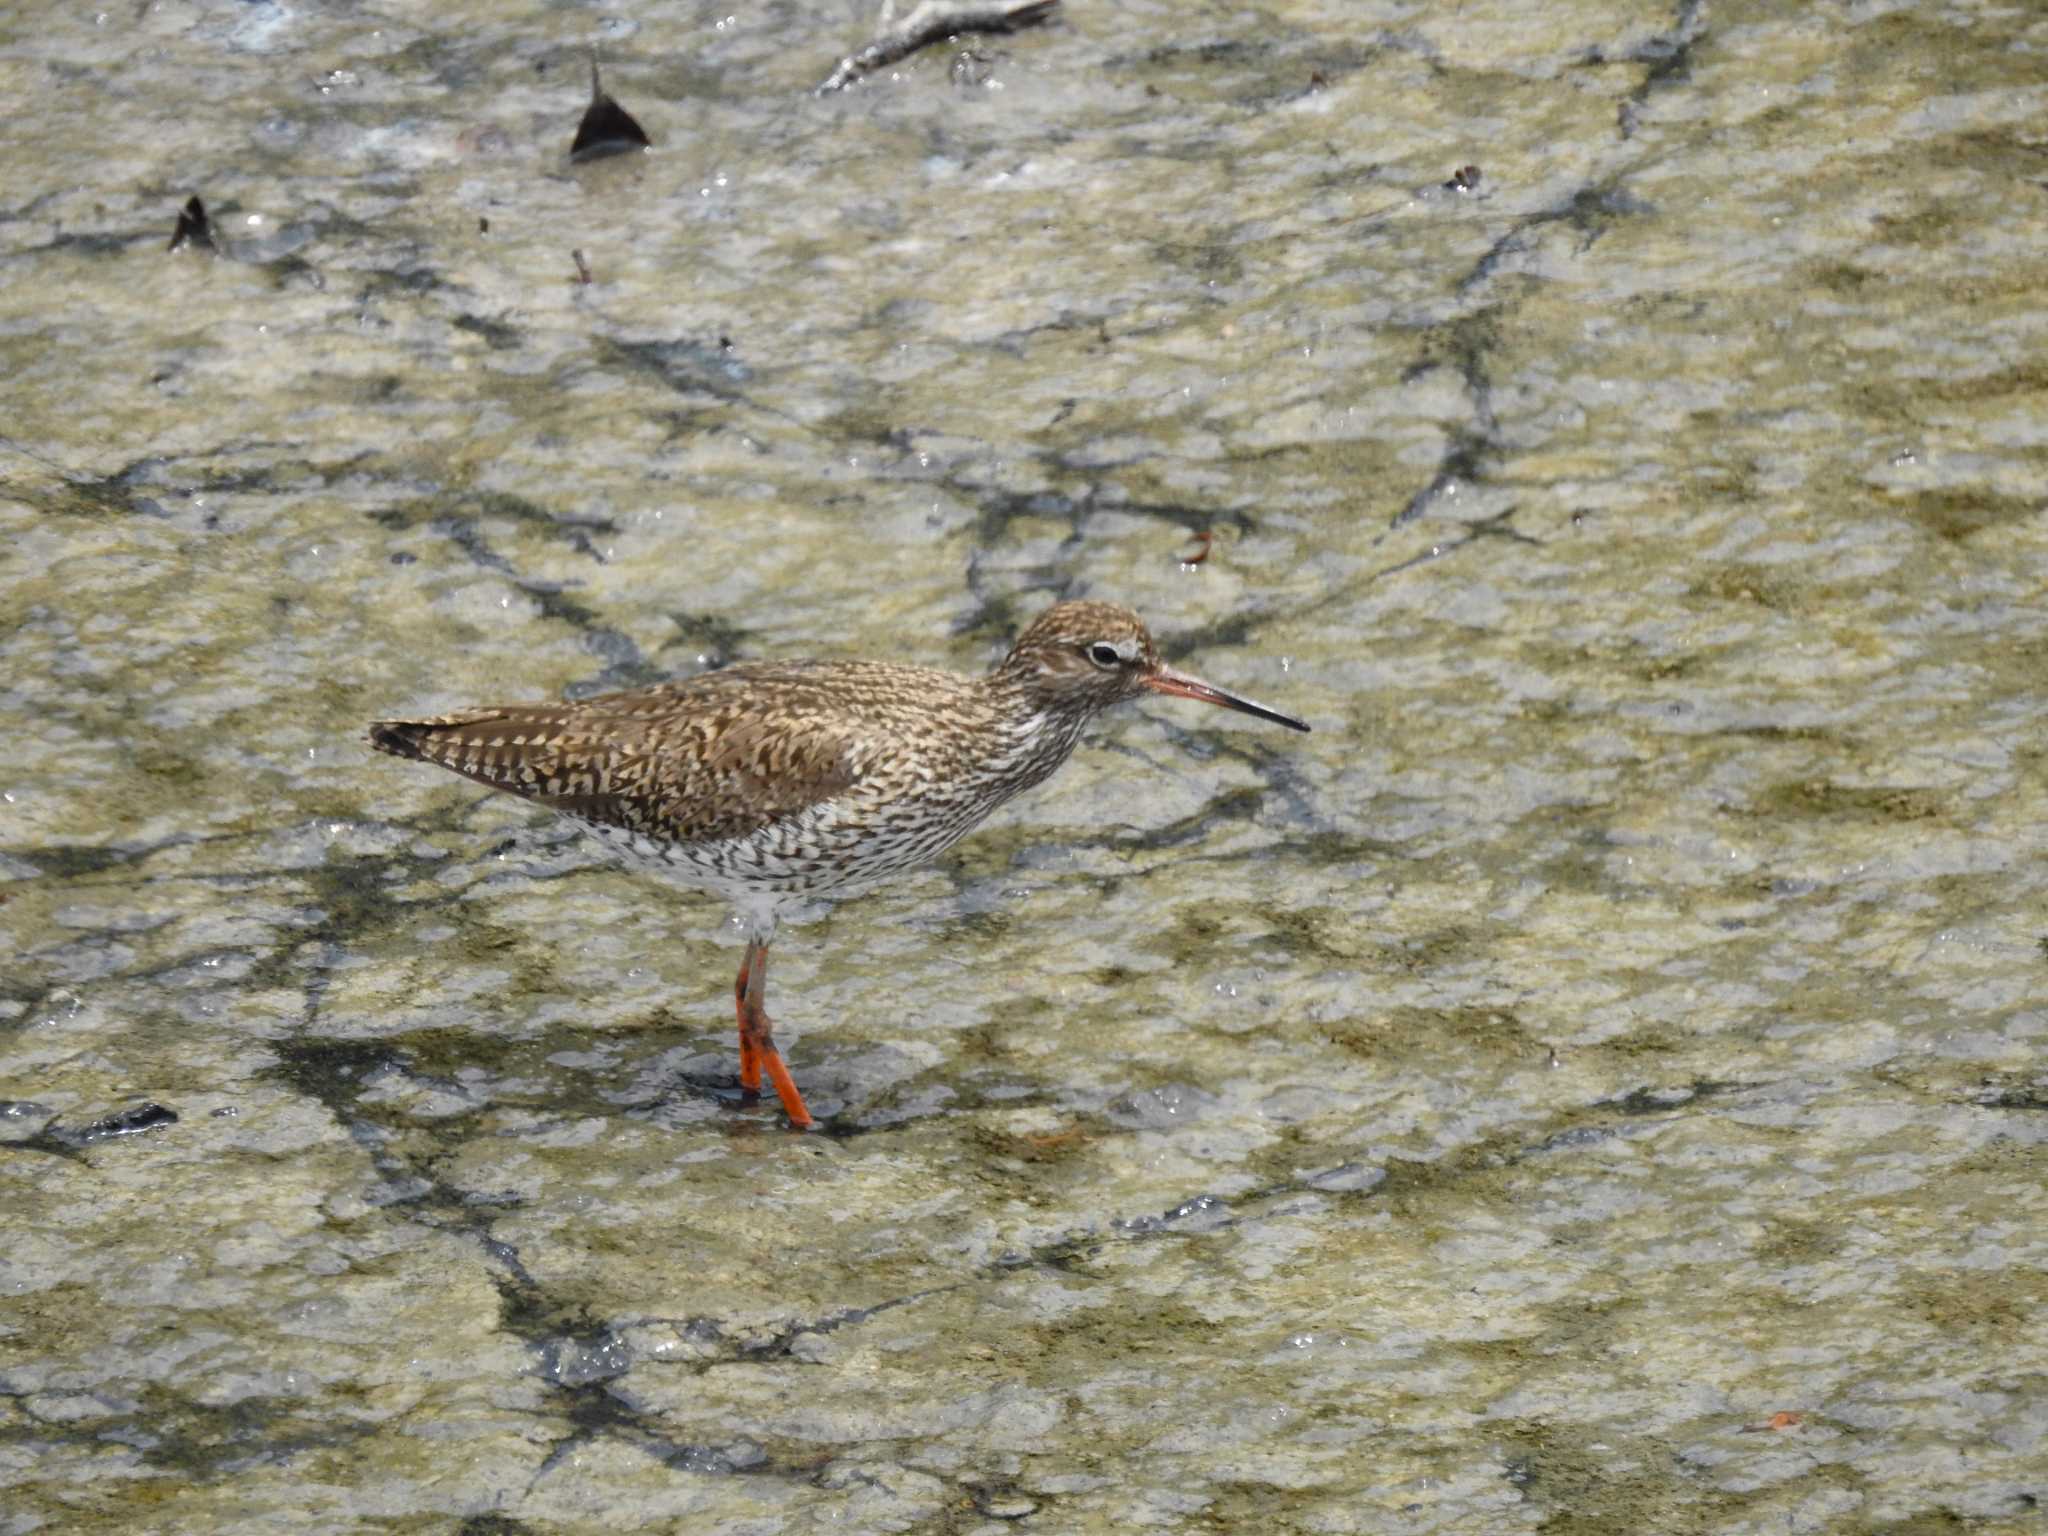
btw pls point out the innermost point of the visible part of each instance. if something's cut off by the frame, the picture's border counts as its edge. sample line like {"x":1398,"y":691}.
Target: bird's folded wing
{"x":691,"y":776}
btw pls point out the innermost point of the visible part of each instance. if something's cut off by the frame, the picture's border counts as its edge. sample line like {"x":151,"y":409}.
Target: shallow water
{"x":1593,"y":1083}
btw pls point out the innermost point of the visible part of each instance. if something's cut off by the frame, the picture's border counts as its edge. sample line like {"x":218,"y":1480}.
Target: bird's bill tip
{"x":1179,"y":685}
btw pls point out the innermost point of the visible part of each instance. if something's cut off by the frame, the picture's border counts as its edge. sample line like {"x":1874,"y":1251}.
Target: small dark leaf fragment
{"x":607,"y":128}
{"x":194,"y":227}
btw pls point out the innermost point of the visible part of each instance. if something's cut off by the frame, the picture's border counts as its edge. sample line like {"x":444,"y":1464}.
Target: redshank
{"x":777,"y":783}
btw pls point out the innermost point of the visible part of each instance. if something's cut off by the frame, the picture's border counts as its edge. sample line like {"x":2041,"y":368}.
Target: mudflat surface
{"x":1594,"y":1083}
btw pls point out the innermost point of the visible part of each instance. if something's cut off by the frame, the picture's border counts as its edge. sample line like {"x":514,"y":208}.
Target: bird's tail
{"x":515,"y":747}
{"x":402,"y":738}
{"x":470,"y":741}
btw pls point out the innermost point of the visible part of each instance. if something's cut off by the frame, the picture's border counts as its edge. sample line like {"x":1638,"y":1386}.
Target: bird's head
{"x":1081,"y":657}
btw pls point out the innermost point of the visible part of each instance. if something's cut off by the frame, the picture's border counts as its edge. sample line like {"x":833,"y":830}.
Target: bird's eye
{"x":1104,"y":655}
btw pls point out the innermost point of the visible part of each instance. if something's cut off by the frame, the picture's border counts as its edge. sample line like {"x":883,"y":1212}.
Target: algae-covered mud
{"x":1594,"y":1083}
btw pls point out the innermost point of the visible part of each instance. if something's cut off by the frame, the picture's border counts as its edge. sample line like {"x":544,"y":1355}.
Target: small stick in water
{"x":928,"y":24}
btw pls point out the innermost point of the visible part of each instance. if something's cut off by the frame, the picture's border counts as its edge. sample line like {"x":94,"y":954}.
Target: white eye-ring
{"x":1105,"y":655}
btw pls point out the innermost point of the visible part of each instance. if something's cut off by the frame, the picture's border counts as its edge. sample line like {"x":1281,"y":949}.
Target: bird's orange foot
{"x":785,"y":1089}
{"x":750,"y":1063}
{"x":757,"y":1043}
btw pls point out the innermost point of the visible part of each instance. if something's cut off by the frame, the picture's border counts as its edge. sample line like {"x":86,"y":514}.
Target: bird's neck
{"x":1032,"y":737}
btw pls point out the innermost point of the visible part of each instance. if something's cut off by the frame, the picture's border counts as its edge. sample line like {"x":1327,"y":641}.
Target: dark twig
{"x":928,"y":24}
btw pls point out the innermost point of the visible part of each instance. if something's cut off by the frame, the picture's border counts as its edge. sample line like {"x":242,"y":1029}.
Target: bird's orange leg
{"x":750,"y":1055}
{"x":756,"y":1035}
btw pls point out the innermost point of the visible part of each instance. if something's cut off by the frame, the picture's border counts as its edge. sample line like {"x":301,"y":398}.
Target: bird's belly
{"x":830,"y":849}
